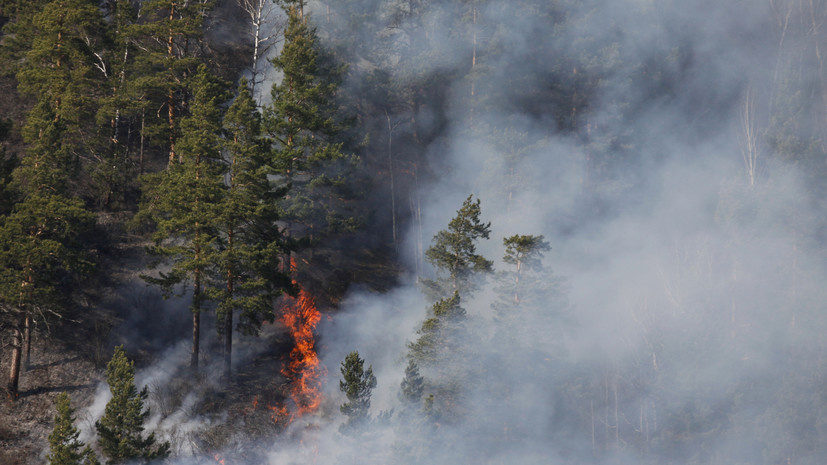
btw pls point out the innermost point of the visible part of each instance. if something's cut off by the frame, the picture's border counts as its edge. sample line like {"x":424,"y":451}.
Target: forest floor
{"x":248,"y":408}
{"x":25,"y":424}
{"x":236,"y":418}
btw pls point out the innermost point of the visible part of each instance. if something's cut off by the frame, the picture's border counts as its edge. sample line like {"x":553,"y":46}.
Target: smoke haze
{"x":686,"y":270}
{"x":692,"y":266}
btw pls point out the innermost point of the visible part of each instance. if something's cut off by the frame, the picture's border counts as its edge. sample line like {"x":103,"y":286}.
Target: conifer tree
{"x":59,"y":71}
{"x":530,"y":299}
{"x":247,"y":218}
{"x":525,"y":254}
{"x":118,"y":109}
{"x":64,"y":447}
{"x":41,"y":247}
{"x":168,"y":35}
{"x":440,"y":350}
{"x":182,"y":201}
{"x":41,"y":257}
{"x":357,"y":383}
{"x":454,"y":252}
{"x":302,"y":123}
{"x":412,"y":386}
{"x":439,"y":333}
{"x":121,"y":428}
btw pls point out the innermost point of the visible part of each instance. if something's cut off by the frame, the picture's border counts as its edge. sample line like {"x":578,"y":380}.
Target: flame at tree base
{"x":300,"y":317}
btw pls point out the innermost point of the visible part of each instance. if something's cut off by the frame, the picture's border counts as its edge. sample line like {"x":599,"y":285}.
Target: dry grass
{"x":27,"y":422}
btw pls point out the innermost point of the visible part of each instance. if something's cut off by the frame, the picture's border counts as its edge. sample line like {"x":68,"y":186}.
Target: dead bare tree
{"x":267,"y":23}
{"x":748,"y":138}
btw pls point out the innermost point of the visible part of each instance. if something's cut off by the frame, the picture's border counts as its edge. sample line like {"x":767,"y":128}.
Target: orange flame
{"x":218,"y":459}
{"x":300,"y":316}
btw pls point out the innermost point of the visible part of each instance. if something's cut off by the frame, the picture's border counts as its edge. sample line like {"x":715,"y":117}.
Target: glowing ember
{"x":300,"y":316}
{"x":218,"y":459}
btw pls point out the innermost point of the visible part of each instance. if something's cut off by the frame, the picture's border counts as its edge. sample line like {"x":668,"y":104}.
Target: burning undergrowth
{"x":300,"y":316}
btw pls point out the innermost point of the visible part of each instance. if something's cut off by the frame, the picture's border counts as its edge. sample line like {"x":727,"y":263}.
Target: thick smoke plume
{"x":649,"y":142}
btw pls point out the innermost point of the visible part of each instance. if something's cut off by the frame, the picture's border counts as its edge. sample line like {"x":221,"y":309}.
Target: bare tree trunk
{"x":14,"y":373}
{"x":473,"y":59}
{"x":27,"y":338}
{"x":171,"y":122}
{"x":196,"y":321}
{"x":416,"y":210}
{"x":750,"y":149}
{"x":265,"y":30}
{"x":228,"y":317}
{"x":143,"y":138}
{"x":228,"y":345}
{"x":616,"y":414}
{"x":606,"y":412}
{"x":815,"y":30}
{"x":170,"y":92}
{"x":594,"y":441}
{"x":391,"y":127}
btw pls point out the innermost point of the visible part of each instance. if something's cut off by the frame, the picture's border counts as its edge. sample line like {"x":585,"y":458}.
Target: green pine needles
{"x":121,"y":429}
{"x":64,"y":446}
{"x":357,"y":383}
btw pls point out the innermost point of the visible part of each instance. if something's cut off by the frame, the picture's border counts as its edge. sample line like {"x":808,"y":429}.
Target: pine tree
{"x":441,"y":351}
{"x":439,"y":335}
{"x":119,"y":105}
{"x":64,"y":447}
{"x":247,"y":218}
{"x":41,"y":258}
{"x":8,"y":163}
{"x":59,"y":72}
{"x":530,"y":301}
{"x":182,"y":201}
{"x":302,"y":123}
{"x":168,"y":36}
{"x":412,"y":386}
{"x":357,"y":383}
{"x":40,"y":251}
{"x":525,"y":253}
{"x":121,"y":428}
{"x":453,"y":252}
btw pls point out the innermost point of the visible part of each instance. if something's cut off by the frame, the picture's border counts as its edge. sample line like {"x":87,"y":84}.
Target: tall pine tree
{"x":247,"y":218}
{"x":302,"y":123}
{"x":454,"y":253}
{"x":182,"y":201}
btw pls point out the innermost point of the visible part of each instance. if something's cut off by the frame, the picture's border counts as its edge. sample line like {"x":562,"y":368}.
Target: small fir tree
{"x":121,"y":428}
{"x":454,"y":252}
{"x":412,"y":386}
{"x":64,"y":447}
{"x":439,"y":333}
{"x":357,"y":384}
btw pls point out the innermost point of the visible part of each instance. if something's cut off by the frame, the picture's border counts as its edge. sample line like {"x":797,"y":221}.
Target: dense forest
{"x":413,"y":231}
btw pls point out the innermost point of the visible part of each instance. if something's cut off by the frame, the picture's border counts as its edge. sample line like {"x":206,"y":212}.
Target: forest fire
{"x":300,"y":316}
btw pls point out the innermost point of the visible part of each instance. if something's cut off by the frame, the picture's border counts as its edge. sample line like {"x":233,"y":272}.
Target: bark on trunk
{"x":171,"y":123}
{"x":228,"y":345}
{"x":196,"y":322}
{"x":27,"y":338}
{"x":14,"y":373}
